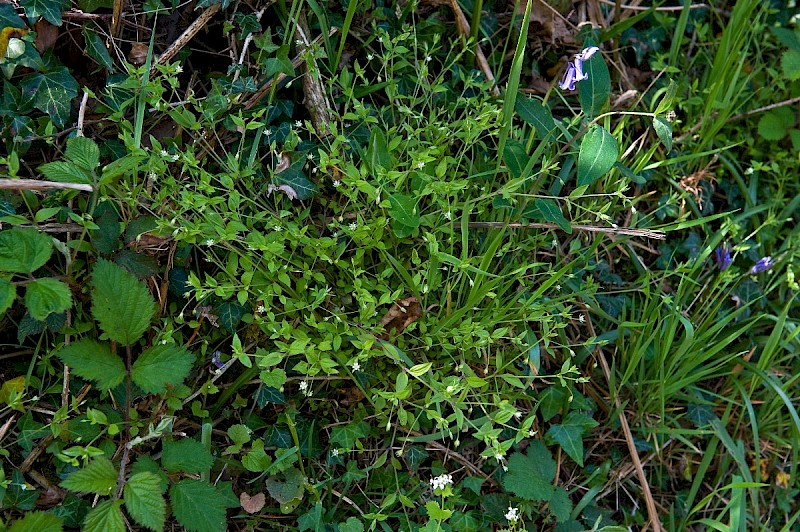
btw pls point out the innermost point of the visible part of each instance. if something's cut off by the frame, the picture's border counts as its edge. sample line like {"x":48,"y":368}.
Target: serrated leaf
{"x":93,"y":361}
{"x":404,"y":210}
{"x":49,"y":9}
{"x":534,"y":112}
{"x":24,"y":250}
{"x":38,"y":522}
{"x":775,"y":124}
{"x":515,"y":157}
{"x":51,"y":92}
{"x":99,"y":477}
{"x":531,"y":475}
{"x":288,"y":490}
{"x":8,"y":293}
{"x":47,"y":296}
{"x":594,"y":91}
{"x":790,"y":63}
{"x":84,"y":152}
{"x":120,"y":303}
{"x":552,"y":213}
{"x":64,"y":172}
{"x":105,"y":517}
{"x":197,"y":507}
{"x":597,"y":155}
{"x":144,"y":501}
{"x":664,"y":132}
{"x":187,"y":455}
{"x":294,"y":177}
{"x":560,"y":505}
{"x":96,"y":49}
{"x":161,"y":365}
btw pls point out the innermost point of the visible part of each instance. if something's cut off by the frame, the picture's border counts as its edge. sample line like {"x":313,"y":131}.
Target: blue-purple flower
{"x":723,"y":256}
{"x":216,"y":359}
{"x":575,"y":71}
{"x":762,"y":265}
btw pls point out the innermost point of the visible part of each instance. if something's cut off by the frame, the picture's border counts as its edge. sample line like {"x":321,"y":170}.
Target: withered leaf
{"x":402,"y":314}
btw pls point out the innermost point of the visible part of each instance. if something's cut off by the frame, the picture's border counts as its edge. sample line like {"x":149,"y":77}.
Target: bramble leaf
{"x":144,"y":501}
{"x":8,"y":293}
{"x":105,"y":517}
{"x":47,"y":296}
{"x":120,"y":303}
{"x":64,"y":172}
{"x":24,"y":250}
{"x":197,"y":506}
{"x":531,"y":476}
{"x":38,"y":522}
{"x":161,"y":365}
{"x":84,"y":152}
{"x":187,"y":455}
{"x":94,"y":361}
{"x":98,"y":477}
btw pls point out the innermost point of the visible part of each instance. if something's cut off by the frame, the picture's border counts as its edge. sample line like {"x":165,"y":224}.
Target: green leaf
{"x":51,"y":92}
{"x":93,"y":361}
{"x":49,"y":9}
{"x":597,"y":155}
{"x":552,"y":213}
{"x":515,"y":157}
{"x":8,"y":293}
{"x":533,"y":112}
{"x":161,"y":365}
{"x":46,"y":296}
{"x":38,"y":522}
{"x":569,"y":434}
{"x":294,"y":177}
{"x":99,"y":477}
{"x":144,"y":501}
{"x":664,"y":132}
{"x":775,"y":124}
{"x":84,"y":152}
{"x":64,"y":172}
{"x":594,"y":91}
{"x":120,"y":303}
{"x":379,"y":155}
{"x":96,"y":49}
{"x":291,"y":489}
{"x":351,"y":525}
{"x":312,"y":520}
{"x":197,"y":507}
{"x":560,"y":504}
{"x":9,"y":17}
{"x":790,"y":63}
{"x":24,"y":250}
{"x":347,"y":435}
{"x":187,"y":455}
{"x":531,"y":476}
{"x":230,"y":314}
{"x":105,"y":517}
{"x":404,"y":209}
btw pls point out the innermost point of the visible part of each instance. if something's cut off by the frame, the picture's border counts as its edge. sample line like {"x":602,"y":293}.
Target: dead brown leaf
{"x":402,"y":314}
{"x":138,"y":53}
{"x":252,"y":504}
{"x":46,"y":35}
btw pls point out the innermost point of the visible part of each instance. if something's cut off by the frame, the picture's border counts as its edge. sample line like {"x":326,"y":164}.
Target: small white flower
{"x":370,"y":57}
{"x":518,"y":414}
{"x":512,"y":514}
{"x":336,"y":183}
{"x":531,"y":433}
{"x":152,"y":176}
{"x":356,"y":366}
{"x":499,"y":457}
{"x":335,"y":452}
{"x":427,"y":58}
{"x":353,"y":226}
{"x":303,"y":386}
{"x":450,"y":389}
{"x":277,"y":228}
{"x":310,"y":156}
{"x":298,"y":42}
{"x":442,"y":481}
{"x":260,"y":309}
{"x":558,"y":288}
{"x":380,"y":39}
{"x":420,"y":165}
{"x":268,"y":132}
{"x":164,"y":153}
{"x":209,"y":242}
{"x":347,"y":124}
{"x":581,"y":318}
{"x":749,"y":171}
{"x":298,"y":123}
{"x":175,"y":157}
{"x":448,"y":215}
{"x":178,"y":69}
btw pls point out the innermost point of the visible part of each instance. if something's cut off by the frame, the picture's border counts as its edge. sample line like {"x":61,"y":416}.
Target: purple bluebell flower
{"x":723,"y":256}
{"x":575,"y":71}
{"x":215,"y":359}
{"x":567,"y":83}
{"x":762,"y":265}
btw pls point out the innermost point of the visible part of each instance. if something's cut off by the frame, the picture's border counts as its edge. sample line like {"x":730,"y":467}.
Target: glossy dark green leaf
{"x":535,"y":113}
{"x":594,"y":91}
{"x":52,"y":92}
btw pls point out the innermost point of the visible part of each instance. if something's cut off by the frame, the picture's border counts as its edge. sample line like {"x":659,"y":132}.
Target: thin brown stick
{"x":765,"y":108}
{"x":626,"y":430}
{"x":464,"y":30}
{"x":36,"y":184}
{"x":185,"y":37}
{"x":644,"y":233}
{"x":645,"y":8}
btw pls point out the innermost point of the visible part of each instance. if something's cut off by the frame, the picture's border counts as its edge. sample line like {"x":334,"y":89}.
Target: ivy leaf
{"x":46,"y":296}
{"x":84,"y":152}
{"x":347,"y":435}
{"x":49,"y":9}
{"x":24,"y":250}
{"x":197,"y":507}
{"x":312,"y":520}
{"x":569,"y":434}
{"x":597,"y":155}
{"x":120,"y":303}
{"x":531,"y":476}
{"x":94,"y":361}
{"x":105,"y":517}
{"x":8,"y":293}
{"x":97,"y":50}
{"x":38,"y":522}
{"x":51,"y":92}
{"x":593,"y":92}
{"x":161,"y":365}
{"x":144,"y":501}
{"x":230,"y":314}
{"x":295,"y":178}
{"x":187,"y":455}
{"x":99,"y":477}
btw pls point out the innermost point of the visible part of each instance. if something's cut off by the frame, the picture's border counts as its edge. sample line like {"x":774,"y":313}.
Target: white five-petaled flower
{"x":335,"y":452}
{"x":518,"y":414}
{"x":268,"y":132}
{"x":298,"y":123}
{"x":448,"y":215}
{"x":336,"y":183}
{"x":356,"y":366}
{"x":581,"y":318}
{"x":178,"y":69}
{"x":512,"y":514}
{"x":420,"y":165}
{"x":209,"y":242}
{"x":370,"y":57}
{"x":353,"y":226}
{"x":277,"y":228}
{"x":260,"y":309}
{"x":303,"y":386}
{"x":499,"y":457}
{"x":575,"y":71}
{"x":442,"y":481}
{"x":164,"y":153}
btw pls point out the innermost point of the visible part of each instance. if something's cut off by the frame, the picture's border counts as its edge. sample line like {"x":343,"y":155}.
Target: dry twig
{"x":36,"y":184}
{"x":626,"y":231}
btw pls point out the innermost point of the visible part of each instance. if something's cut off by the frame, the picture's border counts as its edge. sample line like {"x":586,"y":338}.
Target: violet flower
{"x":216,"y":359}
{"x":723,"y":256}
{"x":575,"y":71}
{"x":762,"y":265}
